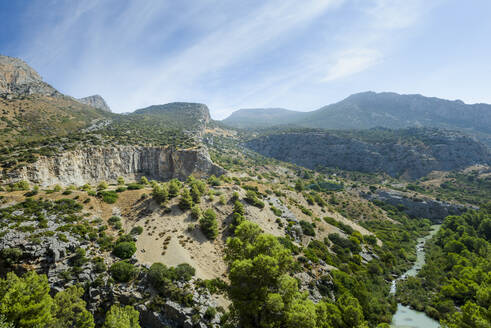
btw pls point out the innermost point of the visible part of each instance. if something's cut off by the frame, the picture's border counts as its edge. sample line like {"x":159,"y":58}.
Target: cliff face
{"x":423,"y":207}
{"x":18,"y":79}
{"x":95,"y":101}
{"x":442,"y":153}
{"x":91,"y":165}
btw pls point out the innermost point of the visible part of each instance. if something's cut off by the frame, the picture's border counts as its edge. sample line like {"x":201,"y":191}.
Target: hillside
{"x":408,"y":153}
{"x":261,"y":117}
{"x":369,"y":109}
{"x":164,"y":218}
{"x":32,"y":110}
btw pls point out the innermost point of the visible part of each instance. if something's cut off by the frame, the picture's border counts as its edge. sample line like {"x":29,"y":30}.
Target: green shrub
{"x":124,"y":250}
{"x":123,"y":271}
{"x":109,"y":197}
{"x":307,"y":228}
{"x":186,"y":201}
{"x":134,"y":186}
{"x":11,"y":255}
{"x":102,"y":185}
{"x":136,"y":230}
{"x":251,"y":198}
{"x":208,"y":224}
{"x":196,"y":212}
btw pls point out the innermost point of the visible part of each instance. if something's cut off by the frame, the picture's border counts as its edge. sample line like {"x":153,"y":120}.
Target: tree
{"x":186,"y":201}
{"x":195,"y":193}
{"x":143,"y":180}
{"x":26,"y":301}
{"x":208,"y":224}
{"x":124,"y":250}
{"x":258,"y":276}
{"x":123,"y":271}
{"x":160,"y":193}
{"x":174,"y":187}
{"x":122,"y":317}
{"x":70,"y":310}
{"x":195,"y":212}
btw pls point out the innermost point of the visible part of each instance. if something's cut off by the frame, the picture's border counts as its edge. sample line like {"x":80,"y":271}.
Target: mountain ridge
{"x":386,"y":109}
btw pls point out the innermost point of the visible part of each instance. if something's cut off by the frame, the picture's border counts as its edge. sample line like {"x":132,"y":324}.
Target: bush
{"x":124,"y":250}
{"x":174,"y":187}
{"x":186,"y":201}
{"x":307,"y":228}
{"x":160,"y":193}
{"x":251,"y":198}
{"x":109,"y":197}
{"x":213,"y":181}
{"x":120,"y":181}
{"x":143,"y":180}
{"x":136,"y":230}
{"x":123,"y":271}
{"x":184,"y":272}
{"x":11,"y":255}
{"x":208,"y":224}
{"x":210,"y":313}
{"x":134,"y":186}
{"x":103,"y":185}
{"x":196,"y":212}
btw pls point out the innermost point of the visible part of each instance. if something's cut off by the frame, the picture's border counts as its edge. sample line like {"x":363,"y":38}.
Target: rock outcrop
{"x":422,"y":207}
{"x":93,"y":164}
{"x":19,"y":79}
{"x":95,"y":101}
{"x":429,"y":152}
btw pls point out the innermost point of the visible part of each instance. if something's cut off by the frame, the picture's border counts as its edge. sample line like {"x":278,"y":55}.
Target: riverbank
{"x":405,"y":317}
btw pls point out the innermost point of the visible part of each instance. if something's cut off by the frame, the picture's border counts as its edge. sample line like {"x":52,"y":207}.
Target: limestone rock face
{"x":423,"y":207}
{"x":19,"y":79}
{"x":314,"y":149}
{"x":94,"y":164}
{"x":95,"y":101}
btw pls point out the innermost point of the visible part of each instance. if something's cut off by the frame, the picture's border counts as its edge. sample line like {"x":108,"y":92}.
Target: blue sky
{"x":241,"y":54}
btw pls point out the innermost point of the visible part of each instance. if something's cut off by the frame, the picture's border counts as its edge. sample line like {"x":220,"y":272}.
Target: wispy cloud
{"x":351,"y":62}
{"x":226,"y":54}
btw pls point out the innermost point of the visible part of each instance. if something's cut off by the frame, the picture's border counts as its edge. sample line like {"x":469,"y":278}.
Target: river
{"x":406,"y":317}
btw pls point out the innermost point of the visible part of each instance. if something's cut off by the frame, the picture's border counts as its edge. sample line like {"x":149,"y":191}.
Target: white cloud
{"x":138,"y":53}
{"x":352,"y":62}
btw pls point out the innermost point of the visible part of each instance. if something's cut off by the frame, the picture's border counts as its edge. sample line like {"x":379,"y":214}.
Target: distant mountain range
{"x":369,"y":109}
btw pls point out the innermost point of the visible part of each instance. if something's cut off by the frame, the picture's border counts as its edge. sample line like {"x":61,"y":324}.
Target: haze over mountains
{"x":369,"y":109}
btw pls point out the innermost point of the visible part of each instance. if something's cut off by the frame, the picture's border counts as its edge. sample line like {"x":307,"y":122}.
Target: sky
{"x":295,"y":54}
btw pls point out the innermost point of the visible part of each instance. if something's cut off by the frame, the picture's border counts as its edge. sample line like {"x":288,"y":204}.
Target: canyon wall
{"x":94,"y":164}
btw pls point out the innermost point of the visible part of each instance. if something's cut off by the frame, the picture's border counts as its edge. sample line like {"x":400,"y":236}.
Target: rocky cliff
{"x":422,"y":207}
{"x":18,"y":79}
{"x":426,"y":152}
{"x":95,"y":101}
{"x":94,"y":164}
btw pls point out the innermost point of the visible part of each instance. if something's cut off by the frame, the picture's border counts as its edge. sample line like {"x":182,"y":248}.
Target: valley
{"x":164,"y":217}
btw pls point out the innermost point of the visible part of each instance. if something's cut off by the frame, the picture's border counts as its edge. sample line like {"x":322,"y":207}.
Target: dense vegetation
{"x":455,"y":283}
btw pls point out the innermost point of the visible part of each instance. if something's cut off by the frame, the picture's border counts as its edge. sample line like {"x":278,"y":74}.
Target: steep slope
{"x":262,"y":117}
{"x":411,"y":153}
{"x":31,"y":109}
{"x":95,"y":101}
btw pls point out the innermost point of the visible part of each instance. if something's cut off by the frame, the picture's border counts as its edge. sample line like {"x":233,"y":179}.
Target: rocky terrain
{"x":176,"y":220}
{"x":418,"y":206}
{"x":95,"y":101}
{"x":90,"y":165}
{"x":19,"y":79}
{"x":435,"y":151}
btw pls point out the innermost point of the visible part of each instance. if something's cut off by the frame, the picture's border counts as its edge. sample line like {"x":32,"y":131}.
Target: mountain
{"x":31,"y":109}
{"x":95,"y":101}
{"x":261,"y":117}
{"x":369,"y":109}
{"x":407,"y":153}
{"x":19,"y":79}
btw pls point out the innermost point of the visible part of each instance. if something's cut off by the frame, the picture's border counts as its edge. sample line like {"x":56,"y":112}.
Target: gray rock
{"x":95,"y":101}
{"x":91,"y":165}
